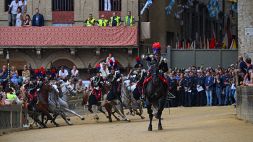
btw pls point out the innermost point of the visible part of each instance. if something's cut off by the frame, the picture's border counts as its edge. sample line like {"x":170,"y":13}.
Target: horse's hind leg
{"x":95,"y":108}
{"x":150,"y":112}
{"x":73,"y":112}
{"x":64,"y":116}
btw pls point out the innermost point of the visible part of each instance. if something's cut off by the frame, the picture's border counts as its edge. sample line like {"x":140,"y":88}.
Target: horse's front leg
{"x":162,"y":103}
{"x":108,"y":108}
{"x":150,"y":112}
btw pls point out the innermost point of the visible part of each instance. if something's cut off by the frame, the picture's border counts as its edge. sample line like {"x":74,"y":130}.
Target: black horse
{"x":155,"y":93}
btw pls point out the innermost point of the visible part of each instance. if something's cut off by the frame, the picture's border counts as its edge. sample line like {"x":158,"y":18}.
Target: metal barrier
{"x":10,"y":118}
{"x":183,"y":58}
{"x":244,"y":103}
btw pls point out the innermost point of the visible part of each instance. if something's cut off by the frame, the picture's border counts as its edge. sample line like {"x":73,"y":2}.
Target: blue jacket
{"x":40,"y":20}
{"x":209,"y":82}
{"x":4,"y":76}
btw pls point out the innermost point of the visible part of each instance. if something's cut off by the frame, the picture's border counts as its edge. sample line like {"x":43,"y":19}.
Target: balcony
{"x":67,"y":37}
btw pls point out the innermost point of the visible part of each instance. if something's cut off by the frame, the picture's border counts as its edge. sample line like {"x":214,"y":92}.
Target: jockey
{"x":138,"y":63}
{"x":115,"y":79}
{"x":96,"y":84}
{"x":104,"y":70}
{"x":110,"y":61}
{"x":159,"y":62}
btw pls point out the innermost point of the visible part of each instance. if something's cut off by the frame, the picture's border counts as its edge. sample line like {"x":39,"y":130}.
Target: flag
{"x":213,"y":8}
{"x":212,"y":42}
{"x":233,"y":44}
{"x":225,"y":41}
{"x":147,"y":4}
{"x":169,"y":7}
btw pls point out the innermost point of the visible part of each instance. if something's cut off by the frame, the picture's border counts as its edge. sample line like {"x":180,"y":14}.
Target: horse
{"x":93,"y":105}
{"x":38,"y":104}
{"x":113,"y":99}
{"x":65,"y":89}
{"x":155,"y":93}
{"x":131,"y":95}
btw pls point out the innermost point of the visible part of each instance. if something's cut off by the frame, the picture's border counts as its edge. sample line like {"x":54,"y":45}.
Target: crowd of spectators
{"x":203,"y":87}
{"x":19,"y":16}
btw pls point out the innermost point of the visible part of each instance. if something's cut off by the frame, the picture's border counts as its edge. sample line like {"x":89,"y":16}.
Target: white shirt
{"x":108,"y":60}
{"x":14,"y":7}
{"x":63,"y":74}
{"x":21,"y":3}
{"x":74,"y":73}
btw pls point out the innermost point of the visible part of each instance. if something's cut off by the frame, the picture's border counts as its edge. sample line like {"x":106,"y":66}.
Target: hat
{"x":98,"y":66}
{"x":156,"y":47}
{"x":137,"y":59}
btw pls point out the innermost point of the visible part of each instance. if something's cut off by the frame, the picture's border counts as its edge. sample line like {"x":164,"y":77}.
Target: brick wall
{"x":63,"y":17}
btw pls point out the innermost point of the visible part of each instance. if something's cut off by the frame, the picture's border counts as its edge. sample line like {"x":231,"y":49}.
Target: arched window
{"x":62,"y":5}
{"x":109,"y":5}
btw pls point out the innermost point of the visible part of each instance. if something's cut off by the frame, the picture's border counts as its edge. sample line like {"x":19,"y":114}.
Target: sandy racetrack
{"x":206,"y":124}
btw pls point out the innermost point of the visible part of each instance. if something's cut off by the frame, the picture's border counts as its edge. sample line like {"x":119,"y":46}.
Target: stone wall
{"x":82,"y":57}
{"x":245,"y":20}
{"x":244,"y":105}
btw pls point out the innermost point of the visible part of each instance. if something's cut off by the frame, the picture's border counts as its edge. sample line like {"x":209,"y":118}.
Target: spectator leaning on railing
{"x":38,"y":19}
{"x":115,"y":20}
{"x":90,"y":21}
{"x":102,"y":22}
{"x":27,"y":21}
{"x":129,"y":19}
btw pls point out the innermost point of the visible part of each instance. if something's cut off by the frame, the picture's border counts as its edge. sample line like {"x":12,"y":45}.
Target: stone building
{"x":67,"y":13}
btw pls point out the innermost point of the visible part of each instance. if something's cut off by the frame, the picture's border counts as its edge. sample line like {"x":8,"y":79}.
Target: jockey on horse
{"x":96,"y":84}
{"x":155,"y":86}
{"x":156,"y":60}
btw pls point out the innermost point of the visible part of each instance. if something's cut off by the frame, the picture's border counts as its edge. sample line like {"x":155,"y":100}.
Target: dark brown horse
{"x":155,"y":93}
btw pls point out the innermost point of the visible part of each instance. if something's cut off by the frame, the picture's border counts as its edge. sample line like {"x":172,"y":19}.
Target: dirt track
{"x":215,"y":124}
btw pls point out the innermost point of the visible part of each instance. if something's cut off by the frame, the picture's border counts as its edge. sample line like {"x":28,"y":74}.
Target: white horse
{"x":127,"y":94}
{"x":63,"y":98}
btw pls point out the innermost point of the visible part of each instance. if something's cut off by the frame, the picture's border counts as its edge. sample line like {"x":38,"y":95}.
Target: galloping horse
{"x":155,"y":92}
{"x":131,"y":95}
{"x":43,"y":105}
{"x":65,"y":90}
{"x":94,"y":106}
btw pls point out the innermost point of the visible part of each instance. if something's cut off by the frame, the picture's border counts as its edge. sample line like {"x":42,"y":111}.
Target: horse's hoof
{"x":68,"y":119}
{"x":160,"y":127}
{"x":118,"y":119}
{"x":142,"y":117}
{"x":82,"y":118}
{"x":150,"y":128}
{"x":57,"y":125}
{"x":110,"y":120}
